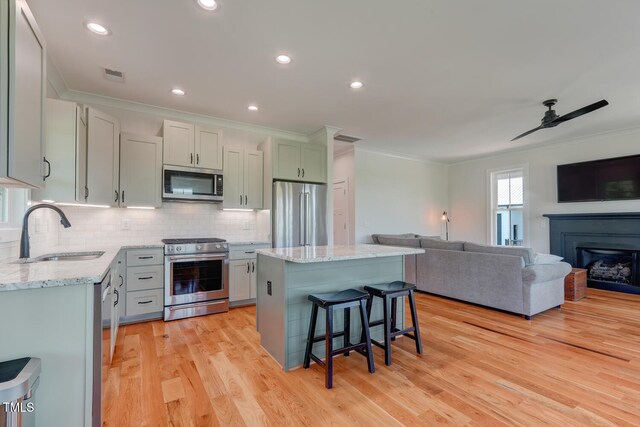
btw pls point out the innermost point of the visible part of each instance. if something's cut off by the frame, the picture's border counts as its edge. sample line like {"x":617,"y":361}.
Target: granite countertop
{"x":249,"y":242}
{"x":46,"y":274}
{"x":310,"y":254}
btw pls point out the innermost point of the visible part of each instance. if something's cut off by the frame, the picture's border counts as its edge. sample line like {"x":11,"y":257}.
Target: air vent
{"x":114,"y":75}
{"x":346,"y":138}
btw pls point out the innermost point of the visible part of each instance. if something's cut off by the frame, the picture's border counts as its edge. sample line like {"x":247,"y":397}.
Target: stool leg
{"x":329,"y":349}
{"x":347,"y":329}
{"x":367,"y":338}
{"x":387,"y":330}
{"x":312,"y":332}
{"x":394,"y":313}
{"x":369,"y":305}
{"x":414,"y":319}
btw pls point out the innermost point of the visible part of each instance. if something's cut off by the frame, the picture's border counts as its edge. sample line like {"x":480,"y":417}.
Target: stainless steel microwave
{"x":191,"y":184}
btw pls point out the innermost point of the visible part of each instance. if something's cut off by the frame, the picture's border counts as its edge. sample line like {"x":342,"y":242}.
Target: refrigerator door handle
{"x":303,"y":220}
{"x":307,"y":230}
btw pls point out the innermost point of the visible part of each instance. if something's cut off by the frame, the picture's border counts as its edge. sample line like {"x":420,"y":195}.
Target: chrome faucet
{"x":24,"y":240}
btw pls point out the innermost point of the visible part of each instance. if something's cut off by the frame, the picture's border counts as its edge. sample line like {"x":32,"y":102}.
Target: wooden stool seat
{"x":338,"y":300}
{"x":390,"y":292}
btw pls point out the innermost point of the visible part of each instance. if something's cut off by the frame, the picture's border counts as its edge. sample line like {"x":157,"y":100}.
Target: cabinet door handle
{"x":48,"y":168}
{"x":145,"y":278}
{"x":115,"y":291}
{"x":121,"y":280}
{"x":191,"y":158}
{"x":117,"y":196}
{"x":123,"y":194}
{"x":241,"y":199}
{"x":145,"y":257}
{"x":248,"y":267}
{"x":245,"y":200}
{"x":298,"y":172}
{"x":253,"y":266}
{"x":197,"y":159}
{"x":303,"y":172}
{"x":145,"y":302}
{"x":86,"y":192}
{"x":249,"y":252}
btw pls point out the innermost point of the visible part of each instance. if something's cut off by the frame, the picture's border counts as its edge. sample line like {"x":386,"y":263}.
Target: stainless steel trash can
{"x":19,"y":379}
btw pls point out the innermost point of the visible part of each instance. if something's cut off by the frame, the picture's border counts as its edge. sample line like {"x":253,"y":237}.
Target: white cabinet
{"x":66,"y":147}
{"x":243,"y":271}
{"x":118,"y":298}
{"x":145,"y":284}
{"x":191,"y":145}
{"x":103,"y":134}
{"x":299,"y":161}
{"x":140,"y":170}
{"x":243,"y":170}
{"x":22,"y":93}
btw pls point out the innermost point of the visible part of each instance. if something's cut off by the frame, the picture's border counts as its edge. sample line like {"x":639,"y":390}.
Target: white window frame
{"x":17,"y":205}
{"x":492,"y":190}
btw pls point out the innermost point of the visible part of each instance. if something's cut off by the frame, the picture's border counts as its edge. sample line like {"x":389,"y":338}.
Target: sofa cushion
{"x":428,"y":237}
{"x":411,"y":242}
{"x":446,"y":245}
{"x":526,"y":253}
{"x":376,"y":237}
{"x":546,"y":259}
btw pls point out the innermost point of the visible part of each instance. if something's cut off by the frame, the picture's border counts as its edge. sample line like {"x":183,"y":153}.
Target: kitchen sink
{"x":69,"y":256}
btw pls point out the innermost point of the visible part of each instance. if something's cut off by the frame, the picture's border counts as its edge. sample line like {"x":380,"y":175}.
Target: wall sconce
{"x":445,"y":218}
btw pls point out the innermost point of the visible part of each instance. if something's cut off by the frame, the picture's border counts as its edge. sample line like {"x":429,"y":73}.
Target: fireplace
{"x":612,"y":269}
{"x":607,"y":245}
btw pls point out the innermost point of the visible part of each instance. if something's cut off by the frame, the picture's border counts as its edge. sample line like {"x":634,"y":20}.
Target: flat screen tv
{"x":607,"y":179}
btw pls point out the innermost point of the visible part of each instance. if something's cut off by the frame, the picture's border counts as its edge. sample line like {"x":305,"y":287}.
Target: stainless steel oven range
{"x":196,"y":277}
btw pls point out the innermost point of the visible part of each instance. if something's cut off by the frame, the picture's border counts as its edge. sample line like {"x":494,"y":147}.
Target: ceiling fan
{"x":551,"y":119}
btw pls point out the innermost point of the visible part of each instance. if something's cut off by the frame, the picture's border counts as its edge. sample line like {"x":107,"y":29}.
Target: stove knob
{"x":198,"y":247}
{"x":169,"y":248}
{"x":179,"y":248}
{"x":217,"y":246}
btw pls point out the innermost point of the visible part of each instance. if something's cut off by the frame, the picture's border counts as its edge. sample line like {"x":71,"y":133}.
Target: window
{"x":507,"y":215}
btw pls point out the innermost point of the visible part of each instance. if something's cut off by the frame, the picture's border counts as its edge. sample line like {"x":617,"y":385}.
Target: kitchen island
{"x":286,"y":276}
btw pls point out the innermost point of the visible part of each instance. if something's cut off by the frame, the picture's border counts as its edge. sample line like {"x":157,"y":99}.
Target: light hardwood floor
{"x":575,"y":366}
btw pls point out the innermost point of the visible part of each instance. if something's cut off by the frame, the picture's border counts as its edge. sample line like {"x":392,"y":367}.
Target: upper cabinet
{"x":103,"y":132}
{"x":242,"y":178}
{"x":22,"y":93}
{"x":297,"y":161}
{"x":140,"y":170}
{"x":66,"y":147}
{"x":191,"y":145}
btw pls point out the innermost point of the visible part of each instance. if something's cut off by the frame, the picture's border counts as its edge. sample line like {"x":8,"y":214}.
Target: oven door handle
{"x":189,"y":258}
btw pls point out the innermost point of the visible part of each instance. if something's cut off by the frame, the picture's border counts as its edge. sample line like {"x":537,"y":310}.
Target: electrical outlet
{"x":126,"y":224}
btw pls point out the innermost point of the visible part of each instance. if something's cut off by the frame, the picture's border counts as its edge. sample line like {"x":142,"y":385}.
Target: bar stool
{"x":331,"y":301}
{"x":390,"y":292}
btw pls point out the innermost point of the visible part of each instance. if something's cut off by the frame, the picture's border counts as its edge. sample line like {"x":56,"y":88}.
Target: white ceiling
{"x":445,"y":80}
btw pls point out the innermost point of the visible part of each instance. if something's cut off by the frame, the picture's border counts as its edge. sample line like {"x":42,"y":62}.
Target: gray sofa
{"x":506,"y":278}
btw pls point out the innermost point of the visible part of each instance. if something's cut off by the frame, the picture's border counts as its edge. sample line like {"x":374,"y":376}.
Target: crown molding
{"x":398,"y":155}
{"x":93,"y":99}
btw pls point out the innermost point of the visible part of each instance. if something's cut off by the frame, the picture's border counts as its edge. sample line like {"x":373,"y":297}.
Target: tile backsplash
{"x":99,"y":226}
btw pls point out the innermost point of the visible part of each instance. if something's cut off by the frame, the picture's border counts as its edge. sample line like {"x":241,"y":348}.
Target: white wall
{"x":468,"y":187}
{"x":398,"y":195}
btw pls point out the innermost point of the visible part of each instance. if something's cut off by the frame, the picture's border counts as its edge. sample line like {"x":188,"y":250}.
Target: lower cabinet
{"x":243,"y":272}
{"x":144,"y":279}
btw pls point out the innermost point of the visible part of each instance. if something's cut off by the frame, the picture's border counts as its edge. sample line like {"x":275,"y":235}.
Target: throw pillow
{"x":547,"y":259}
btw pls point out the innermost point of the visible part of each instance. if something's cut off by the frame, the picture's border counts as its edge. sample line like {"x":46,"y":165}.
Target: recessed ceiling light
{"x":283,"y":59}
{"x":252,"y":108}
{"x":177,"y":91}
{"x":208,"y":4}
{"x":96,"y":28}
{"x":356,"y":85}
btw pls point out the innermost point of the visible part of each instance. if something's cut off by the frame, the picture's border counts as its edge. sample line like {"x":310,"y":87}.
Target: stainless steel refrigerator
{"x":299,"y":214}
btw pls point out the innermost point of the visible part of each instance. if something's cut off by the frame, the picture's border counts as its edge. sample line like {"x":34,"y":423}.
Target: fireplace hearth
{"x":607,"y":245}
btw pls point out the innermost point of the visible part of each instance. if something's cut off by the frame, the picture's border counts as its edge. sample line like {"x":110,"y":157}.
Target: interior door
{"x":340,"y":213}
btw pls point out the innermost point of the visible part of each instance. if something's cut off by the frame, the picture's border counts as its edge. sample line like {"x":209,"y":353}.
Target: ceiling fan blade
{"x":527,"y":133}
{"x":581,"y":111}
